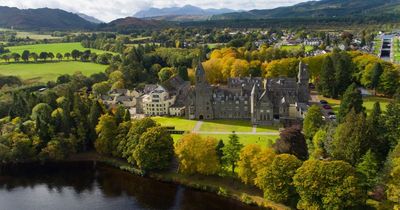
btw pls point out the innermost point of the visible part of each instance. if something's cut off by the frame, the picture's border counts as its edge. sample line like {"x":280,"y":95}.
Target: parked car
{"x":323,"y":102}
{"x":332,"y":117}
{"x":311,"y":86}
{"x":331,"y":113}
{"x":327,"y":107}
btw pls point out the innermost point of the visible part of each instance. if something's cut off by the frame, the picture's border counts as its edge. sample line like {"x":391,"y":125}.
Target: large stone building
{"x":263,"y":101}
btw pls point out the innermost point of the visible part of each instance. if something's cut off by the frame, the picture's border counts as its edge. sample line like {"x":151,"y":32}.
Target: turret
{"x":304,"y":76}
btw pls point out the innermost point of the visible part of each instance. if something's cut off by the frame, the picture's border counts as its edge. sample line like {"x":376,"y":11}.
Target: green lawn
{"x":227,"y":126}
{"x":296,"y":47}
{"x":179,"y":123}
{"x":396,"y":49}
{"x":49,"y":71}
{"x":377,"y":46}
{"x":263,"y":140}
{"x":368,"y":103}
{"x":54,"y":48}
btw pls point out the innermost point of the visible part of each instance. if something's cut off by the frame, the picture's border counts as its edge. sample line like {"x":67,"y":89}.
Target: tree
{"x":34,"y":56}
{"x":101,"y":88}
{"x":312,"y":122}
{"x":183,"y":73}
{"x":59,"y":56}
{"x":165,"y":74}
{"x":352,"y":100}
{"x":368,"y":170}
{"x":128,"y":145}
{"x":41,"y":114}
{"x":51,"y":55}
{"x":197,"y":155}
{"x":326,"y":83}
{"x":277,"y":180}
{"x":245,"y":166}
{"x":392,"y":123}
{"x":43,"y":56}
{"x":377,"y":71}
{"x":119,"y":114}
{"x":231,"y":151}
{"x":261,"y":162}
{"x":375,"y":134}
{"x":343,"y":71}
{"x":67,"y":55}
{"x":154,"y":150}
{"x":94,"y":114}
{"x":75,"y":54}
{"x":350,"y":138}
{"x":327,"y":185}
{"x":16,"y":57}
{"x":317,"y":149}
{"x":25,"y":55}
{"x":220,"y":152}
{"x":292,"y":141}
{"x":393,"y":185}
{"x":106,"y":130}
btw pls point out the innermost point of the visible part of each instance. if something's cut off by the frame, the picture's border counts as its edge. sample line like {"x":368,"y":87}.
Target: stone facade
{"x":262,"y":101}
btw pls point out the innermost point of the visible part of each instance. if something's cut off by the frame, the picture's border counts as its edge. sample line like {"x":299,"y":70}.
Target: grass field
{"x":368,"y":103}
{"x":179,"y":123}
{"x":54,"y":48}
{"x":222,"y":126}
{"x":226,"y":126}
{"x":263,"y":140}
{"x":296,"y":47}
{"x":49,"y":71}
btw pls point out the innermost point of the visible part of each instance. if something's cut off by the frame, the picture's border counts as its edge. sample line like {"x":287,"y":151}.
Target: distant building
{"x":262,"y":101}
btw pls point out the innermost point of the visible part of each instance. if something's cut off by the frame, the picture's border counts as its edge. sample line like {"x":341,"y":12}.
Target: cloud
{"x":108,"y":10}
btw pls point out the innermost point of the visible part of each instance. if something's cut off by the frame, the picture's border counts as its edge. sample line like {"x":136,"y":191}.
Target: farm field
{"x":54,"y":48}
{"x":44,"y":72}
{"x":296,"y":47}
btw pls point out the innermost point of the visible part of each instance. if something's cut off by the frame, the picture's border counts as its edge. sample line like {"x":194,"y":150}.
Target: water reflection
{"x":90,"y":186}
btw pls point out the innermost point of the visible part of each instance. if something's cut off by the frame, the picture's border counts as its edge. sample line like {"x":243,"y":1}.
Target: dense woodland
{"x":324,"y":165}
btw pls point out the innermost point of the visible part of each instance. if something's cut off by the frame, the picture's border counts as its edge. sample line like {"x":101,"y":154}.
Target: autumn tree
{"x":197,"y":155}
{"x":245,"y":164}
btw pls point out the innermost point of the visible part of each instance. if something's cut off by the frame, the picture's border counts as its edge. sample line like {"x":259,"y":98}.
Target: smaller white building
{"x":157,"y":102}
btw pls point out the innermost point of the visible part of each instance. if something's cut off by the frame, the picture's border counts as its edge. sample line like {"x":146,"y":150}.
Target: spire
{"x":303,"y":76}
{"x":200,"y":69}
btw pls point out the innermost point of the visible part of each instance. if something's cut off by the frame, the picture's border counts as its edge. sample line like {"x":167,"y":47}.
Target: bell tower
{"x":303,"y":83}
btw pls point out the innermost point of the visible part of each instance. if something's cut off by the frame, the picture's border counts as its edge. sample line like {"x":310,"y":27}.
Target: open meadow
{"x":44,"y":72}
{"x":296,"y":47}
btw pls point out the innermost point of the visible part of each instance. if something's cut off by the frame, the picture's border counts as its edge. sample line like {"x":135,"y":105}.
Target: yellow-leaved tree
{"x":197,"y":155}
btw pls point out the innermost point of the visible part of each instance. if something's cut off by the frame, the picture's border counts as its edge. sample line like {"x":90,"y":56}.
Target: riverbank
{"x":227,"y":187}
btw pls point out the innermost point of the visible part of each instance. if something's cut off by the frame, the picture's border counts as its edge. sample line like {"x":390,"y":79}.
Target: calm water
{"x":85,"y":186}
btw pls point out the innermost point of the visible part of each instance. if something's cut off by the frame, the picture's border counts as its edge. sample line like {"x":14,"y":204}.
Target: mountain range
{"x":90,"y":18}
{"x":187,"y":12}
{"x":42,"y":19}
{"x":320,"y":9}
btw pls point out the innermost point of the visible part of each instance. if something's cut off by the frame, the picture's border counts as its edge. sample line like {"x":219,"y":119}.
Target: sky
{"x":108,"y":10}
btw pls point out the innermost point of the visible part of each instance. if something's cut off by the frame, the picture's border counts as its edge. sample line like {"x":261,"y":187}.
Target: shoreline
{"x":227,"y":187}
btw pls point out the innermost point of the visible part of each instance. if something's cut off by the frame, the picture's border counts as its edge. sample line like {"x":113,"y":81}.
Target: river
{"x":86,"y":186}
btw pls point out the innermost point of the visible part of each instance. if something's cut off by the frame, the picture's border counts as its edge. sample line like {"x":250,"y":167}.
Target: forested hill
{"x":41,"y":19}
{"x":322,"y":9}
